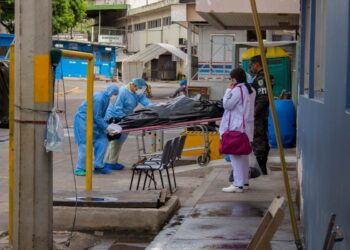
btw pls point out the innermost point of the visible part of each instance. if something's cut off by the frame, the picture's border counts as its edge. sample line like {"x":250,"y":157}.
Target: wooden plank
{"x":277,"y":203}
{"x":271,"y":230}
{"x":268,"y":226}
{"x":260,"y":231}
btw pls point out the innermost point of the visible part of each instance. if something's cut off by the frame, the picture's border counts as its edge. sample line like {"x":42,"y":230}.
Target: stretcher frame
{"x":158,"y":136}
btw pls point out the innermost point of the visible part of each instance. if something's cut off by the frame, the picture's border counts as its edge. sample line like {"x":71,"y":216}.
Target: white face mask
{"x":140,"y":91}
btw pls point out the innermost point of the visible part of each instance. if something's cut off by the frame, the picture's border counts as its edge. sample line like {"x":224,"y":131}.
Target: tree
{"x":65,"y":14}
{"x":7,"y":15}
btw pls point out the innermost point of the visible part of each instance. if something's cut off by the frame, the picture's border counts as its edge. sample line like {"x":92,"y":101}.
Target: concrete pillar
{"x":189,"y":53}
{"x":33,"y":97}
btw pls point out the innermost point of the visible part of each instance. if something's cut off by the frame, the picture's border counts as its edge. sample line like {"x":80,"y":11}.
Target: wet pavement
{"x":209,"y":218}
{"x":220,"y":220}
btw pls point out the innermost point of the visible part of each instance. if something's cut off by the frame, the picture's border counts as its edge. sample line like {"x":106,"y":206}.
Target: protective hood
{"x":112,"y":89}
{"x":139,"y":82}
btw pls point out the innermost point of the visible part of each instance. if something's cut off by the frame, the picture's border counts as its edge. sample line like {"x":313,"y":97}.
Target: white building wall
{"x":139,"y":3}
{"x":138,"y":40}
{"x":215,"y":52}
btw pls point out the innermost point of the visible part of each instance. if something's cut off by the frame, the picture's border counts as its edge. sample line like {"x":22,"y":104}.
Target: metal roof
{"x":154,"y":50}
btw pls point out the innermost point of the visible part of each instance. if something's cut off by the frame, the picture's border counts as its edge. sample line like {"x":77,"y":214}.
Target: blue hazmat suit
{"x":183,"y":82}
{"x":123,"y":106}
{"x":100,"y":141}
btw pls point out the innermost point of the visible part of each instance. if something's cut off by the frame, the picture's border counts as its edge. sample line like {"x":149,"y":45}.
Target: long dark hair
{"x":241,"y":77}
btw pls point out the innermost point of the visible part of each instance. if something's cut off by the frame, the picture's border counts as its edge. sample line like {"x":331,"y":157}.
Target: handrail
{"x":89,"y":111}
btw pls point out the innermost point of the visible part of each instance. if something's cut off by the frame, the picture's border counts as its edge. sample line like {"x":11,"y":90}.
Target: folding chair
{"x":181,"y":146}
{"x":173,"y":157}
{"x":177,"y":148}
{"x":153,"y":166}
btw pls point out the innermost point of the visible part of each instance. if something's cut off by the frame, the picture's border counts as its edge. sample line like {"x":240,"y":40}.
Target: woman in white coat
{"x":239,"y":116}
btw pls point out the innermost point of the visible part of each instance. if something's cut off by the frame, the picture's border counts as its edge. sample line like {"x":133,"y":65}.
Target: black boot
{"x":262,"y":164}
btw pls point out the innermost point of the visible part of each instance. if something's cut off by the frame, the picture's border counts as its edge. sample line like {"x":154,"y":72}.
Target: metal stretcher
{"x":157,"y":133}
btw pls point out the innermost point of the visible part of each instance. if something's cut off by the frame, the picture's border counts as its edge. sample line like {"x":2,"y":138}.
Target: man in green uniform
{"x":261,"y":145}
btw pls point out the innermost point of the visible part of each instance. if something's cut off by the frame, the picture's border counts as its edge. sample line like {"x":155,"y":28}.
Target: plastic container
{"x":287,"y":122}
{"x":195,"y":139}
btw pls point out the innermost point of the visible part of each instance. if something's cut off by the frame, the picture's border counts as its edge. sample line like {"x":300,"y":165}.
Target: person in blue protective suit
{"x":129,"y":97}
{"x":100,"y":141}
{"x":181,"y":90}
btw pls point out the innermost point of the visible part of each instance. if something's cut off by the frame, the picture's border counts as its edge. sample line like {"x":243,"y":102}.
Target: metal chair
{"x":177,"y":148}
{"x":152,"y":166}
{"x":181,"y":146}
{"x":173,"y":157}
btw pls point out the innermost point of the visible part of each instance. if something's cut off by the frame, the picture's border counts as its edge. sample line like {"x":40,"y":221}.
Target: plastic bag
{"x":180,"y":109}
{"x":54,"y":133}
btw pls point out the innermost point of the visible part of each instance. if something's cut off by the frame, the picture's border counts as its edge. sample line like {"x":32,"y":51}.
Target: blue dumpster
{"x":287,"y":122}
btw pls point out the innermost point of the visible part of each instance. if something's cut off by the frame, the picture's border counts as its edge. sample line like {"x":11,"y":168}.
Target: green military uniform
{"x":261,"y":146}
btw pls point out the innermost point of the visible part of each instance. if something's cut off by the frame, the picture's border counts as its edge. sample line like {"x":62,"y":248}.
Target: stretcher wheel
{"x":203,"y":160}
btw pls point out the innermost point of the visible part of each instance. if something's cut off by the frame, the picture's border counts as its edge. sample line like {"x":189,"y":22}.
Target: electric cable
{"x":67,"y":243}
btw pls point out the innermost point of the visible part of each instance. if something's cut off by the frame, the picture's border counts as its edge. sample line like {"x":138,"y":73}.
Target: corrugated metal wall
{"x":324,"y":128}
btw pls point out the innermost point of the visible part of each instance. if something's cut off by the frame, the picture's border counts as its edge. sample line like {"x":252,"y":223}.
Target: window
{"x":129,"y":28}
{"x":105,"y":57}
{"x":251,"y":35}
{"x":139,"y":26}
{"x":314,"y":51}
{"x":154,"y":23}
{"x":319,"y":52}
{"x":166,"y":20}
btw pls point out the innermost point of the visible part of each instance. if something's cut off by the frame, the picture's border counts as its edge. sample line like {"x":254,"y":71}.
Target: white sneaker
{"x":232,"y":189}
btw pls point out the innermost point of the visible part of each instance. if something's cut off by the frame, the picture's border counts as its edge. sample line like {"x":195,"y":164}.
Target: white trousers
{"x":240,"y":167}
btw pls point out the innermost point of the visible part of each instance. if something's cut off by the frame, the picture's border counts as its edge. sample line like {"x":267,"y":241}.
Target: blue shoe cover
{"x":103,"y":170}
{"x":79,"y":172}
{"x":227,"y":158}
{"x":116,"y":166}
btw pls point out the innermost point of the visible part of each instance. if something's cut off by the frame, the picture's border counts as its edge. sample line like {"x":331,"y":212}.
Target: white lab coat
{"x":233,"y":107}
{"x":234,"y":111}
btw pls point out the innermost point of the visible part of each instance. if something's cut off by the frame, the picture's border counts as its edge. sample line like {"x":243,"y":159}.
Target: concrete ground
{"x":212,"y":219}
{"x":209,"y":218}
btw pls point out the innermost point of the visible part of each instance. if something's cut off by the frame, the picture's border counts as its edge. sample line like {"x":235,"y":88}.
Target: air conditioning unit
{"x":182,"y":41}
